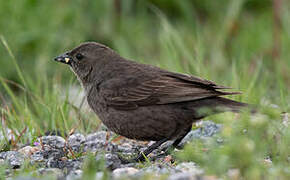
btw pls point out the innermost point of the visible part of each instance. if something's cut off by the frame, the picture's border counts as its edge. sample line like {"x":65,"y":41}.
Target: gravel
{"x":63,"y":158}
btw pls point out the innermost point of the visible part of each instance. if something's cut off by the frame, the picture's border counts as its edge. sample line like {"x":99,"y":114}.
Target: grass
{"x":230,"y":43}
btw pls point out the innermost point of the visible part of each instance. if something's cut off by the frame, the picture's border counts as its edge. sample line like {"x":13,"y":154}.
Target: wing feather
{"x":165,"y":89}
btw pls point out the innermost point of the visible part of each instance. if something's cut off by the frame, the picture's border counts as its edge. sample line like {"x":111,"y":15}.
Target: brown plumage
{"x":141,"y":101}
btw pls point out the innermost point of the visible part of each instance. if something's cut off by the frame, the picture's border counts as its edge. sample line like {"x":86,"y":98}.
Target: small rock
{"x":69,"y":165}
{"x":95,"y":142}
{"x":210,"y":128}
{"x":98,"y":145}
{"x":50,"y":171}
{"x":189,"y":167}
{"x":101,"y":136}
{"x":94,"y":146}
{"x":99,"y":175}
{"x":56,"y":142}
{"x":112,"y":161}
{"x":53,"y":153}
{"x":207,"y":129}
{"x":75,"y":141}
{"x":157,"y":169}
{"x":73,"y":164}
{"x":126,"y":148}
{"x":73,"y":175}
{"x":55,"y":163}
{"x":121,"y":172}
{"x":28,"y":150}
{"x":37,"y":157}
{"x":13,"y":158}
{"x":182,"y":176}
{"x":3,"y":155}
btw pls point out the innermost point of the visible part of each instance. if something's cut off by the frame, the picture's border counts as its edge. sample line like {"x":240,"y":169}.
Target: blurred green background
{"x":178,"y":35}
{"x":244,"y":44}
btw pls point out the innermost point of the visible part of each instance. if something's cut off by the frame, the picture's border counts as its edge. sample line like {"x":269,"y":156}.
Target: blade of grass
{"x":19,"y":72}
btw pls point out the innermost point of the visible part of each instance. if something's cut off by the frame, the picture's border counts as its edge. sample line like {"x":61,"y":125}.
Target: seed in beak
{"x":66,"y":60}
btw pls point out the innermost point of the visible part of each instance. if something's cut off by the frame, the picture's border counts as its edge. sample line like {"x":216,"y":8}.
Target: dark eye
{"x":79,"y":56}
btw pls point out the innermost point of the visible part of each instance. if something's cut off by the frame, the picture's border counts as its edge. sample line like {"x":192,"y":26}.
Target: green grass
{"x":230,"y":43}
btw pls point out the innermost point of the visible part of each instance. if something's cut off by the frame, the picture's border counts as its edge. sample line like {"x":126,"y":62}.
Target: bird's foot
{"x":126,"y":160}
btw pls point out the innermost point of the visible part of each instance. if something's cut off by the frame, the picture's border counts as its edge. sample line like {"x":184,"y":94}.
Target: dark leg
{"x":150,"y":149}
{"x":178,"y":140}
{"x":175,"y":144}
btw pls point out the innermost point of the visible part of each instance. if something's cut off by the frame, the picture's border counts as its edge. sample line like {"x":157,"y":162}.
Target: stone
{"x":158,"y":169}
{"x":50,"y":172}
{"x":13,"y":158}
{"x":126,"y":148}
{"x":75,"y":141}
{"x":53,"y":153}
{"x":73,"y":164}
{"x":28,"y":150}
{"x":97,"y":142}
{"x":124,"y":172}
{"x":37,"y":157}
{"x":101,"y":136}
{"x":112,"y":161}
{"x":73,"y":175}
{"x":56,"y":142}
{"x":189,"y":167}
{"x":55,"y":163}
{"x":182,"y":176}
{"x":206,"y":130}
{"x":99,"y":175}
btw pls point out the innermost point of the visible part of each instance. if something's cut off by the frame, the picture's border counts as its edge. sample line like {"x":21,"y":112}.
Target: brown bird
{"x":141,"y":101}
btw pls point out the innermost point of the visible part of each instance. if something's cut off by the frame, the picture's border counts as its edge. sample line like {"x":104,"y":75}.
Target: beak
{"x":64,"y":58}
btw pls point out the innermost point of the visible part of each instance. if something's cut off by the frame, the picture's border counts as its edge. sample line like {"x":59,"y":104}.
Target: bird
{"x":141,"y":101}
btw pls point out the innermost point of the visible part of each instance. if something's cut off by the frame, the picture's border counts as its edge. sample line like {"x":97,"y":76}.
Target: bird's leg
{"x":176,"y":142}
{"x":168,"y":150}
{"x":151,"y":148}
{"x":141,"y":155}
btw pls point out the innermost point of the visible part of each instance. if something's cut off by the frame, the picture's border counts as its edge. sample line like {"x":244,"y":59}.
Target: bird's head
{"x":86,"y":58}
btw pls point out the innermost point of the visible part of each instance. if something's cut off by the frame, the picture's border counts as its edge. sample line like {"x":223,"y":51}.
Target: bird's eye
{"x":79,"y":56}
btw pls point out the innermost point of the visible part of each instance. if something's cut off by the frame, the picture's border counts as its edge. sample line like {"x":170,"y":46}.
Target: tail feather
{"x":230,"y":105}
{"x":215,"y":105}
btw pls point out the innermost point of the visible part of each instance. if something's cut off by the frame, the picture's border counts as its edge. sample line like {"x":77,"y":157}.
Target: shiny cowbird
{"x":141,"y":101}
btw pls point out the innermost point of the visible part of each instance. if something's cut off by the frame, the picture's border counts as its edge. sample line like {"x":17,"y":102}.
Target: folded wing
{"x":165,"y":89}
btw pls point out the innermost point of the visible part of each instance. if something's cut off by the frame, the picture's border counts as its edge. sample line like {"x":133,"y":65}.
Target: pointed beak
{"x":64,"y":58}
